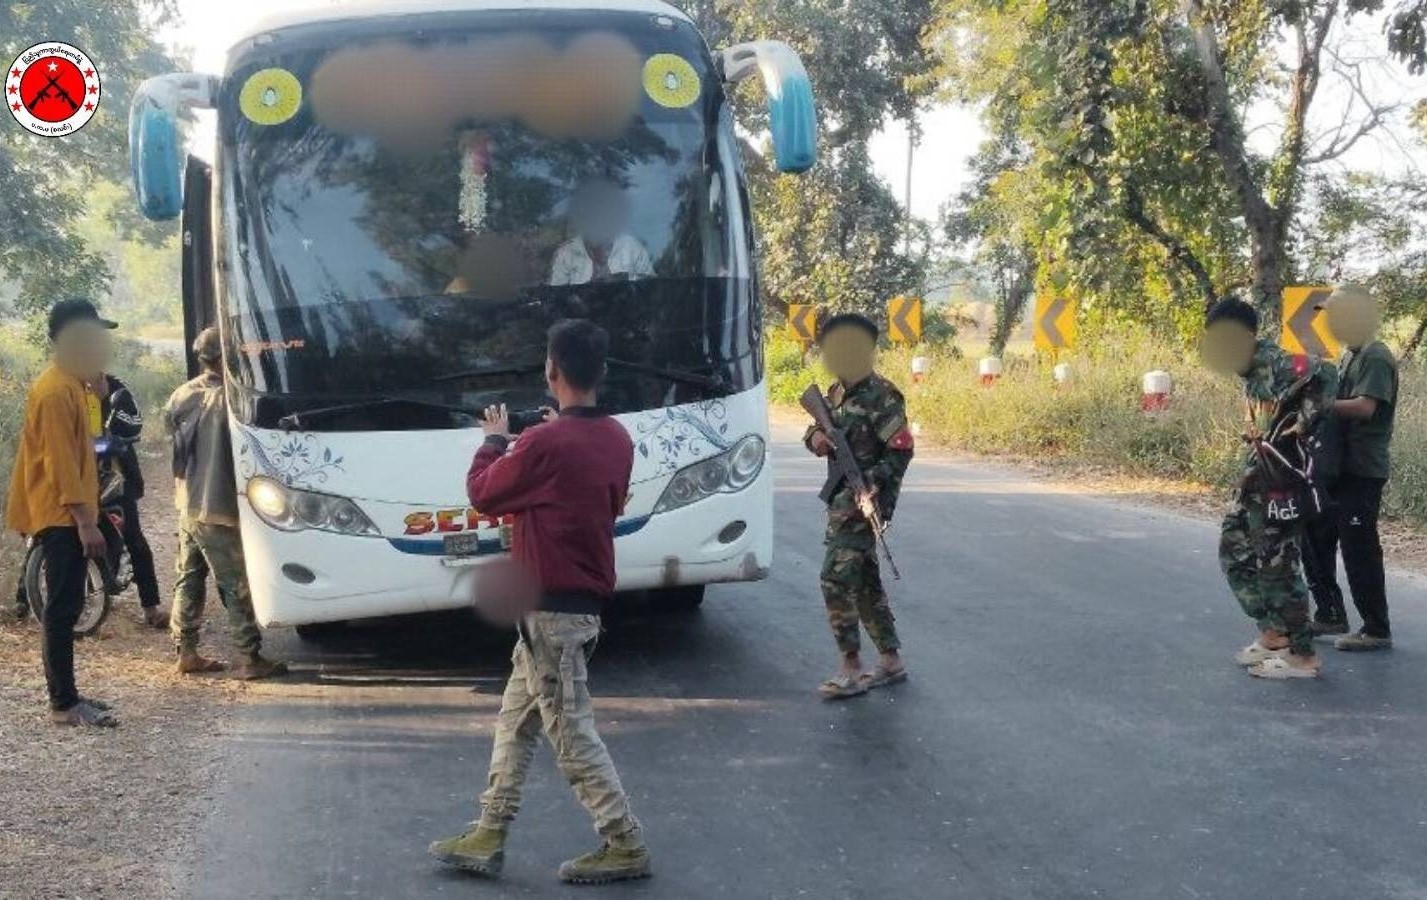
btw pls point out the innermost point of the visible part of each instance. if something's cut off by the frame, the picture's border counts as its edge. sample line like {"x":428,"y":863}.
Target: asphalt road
{"x":1074,"y":727}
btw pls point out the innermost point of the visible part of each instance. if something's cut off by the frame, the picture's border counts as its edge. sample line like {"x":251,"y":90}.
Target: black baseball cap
{"x":75,"y":309}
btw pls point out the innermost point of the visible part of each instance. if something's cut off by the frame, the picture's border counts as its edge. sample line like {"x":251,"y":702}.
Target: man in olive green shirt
{"x":1367,"y":400}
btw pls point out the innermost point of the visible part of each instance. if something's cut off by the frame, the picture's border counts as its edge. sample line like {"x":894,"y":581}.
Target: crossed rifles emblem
{"x":59,"y":93}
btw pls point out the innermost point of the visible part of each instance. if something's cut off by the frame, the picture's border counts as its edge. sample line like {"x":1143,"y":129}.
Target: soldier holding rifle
{"x":861,"y":426}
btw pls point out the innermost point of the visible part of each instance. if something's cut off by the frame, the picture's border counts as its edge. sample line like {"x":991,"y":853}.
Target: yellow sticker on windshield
{"x":270,"y":96}
{"x":671,"y":81}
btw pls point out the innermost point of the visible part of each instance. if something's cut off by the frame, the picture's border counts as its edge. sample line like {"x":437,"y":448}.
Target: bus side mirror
{"x":156,"y":152}
{"x":792,"y":115}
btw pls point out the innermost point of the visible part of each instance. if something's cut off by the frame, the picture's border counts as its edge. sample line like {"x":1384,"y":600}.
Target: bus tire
{"x":684,"y":598}
{"x":315,"y":632}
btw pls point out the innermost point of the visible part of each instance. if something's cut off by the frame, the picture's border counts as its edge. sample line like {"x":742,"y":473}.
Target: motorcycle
{"x":104,"y":578}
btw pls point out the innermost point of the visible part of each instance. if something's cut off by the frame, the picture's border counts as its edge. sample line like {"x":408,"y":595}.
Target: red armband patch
{"x":1300,"y":365}
{"x":902,"y":440}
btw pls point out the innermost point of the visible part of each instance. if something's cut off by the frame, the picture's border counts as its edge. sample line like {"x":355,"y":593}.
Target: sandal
{"x":842,"y":686}
{"x":880,"y":677}
{"x":1256,"y":653}
{"x":1279,"y":669}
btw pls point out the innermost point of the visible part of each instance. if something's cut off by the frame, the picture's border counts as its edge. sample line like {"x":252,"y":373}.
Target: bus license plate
{"x":463,"y":544}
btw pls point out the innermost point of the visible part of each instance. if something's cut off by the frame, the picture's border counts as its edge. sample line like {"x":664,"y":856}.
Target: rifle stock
{"x":844,"y":468}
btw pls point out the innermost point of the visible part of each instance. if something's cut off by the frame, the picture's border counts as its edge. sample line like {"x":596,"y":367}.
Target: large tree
{"x":44,"y":182}
{"x":1133,"y":116}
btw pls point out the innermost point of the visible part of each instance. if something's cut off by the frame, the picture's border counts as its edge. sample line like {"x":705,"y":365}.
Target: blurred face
{"x":849,"y":353}
{"x":1227,"y":348}
{"x":83,"y":349}
{"x":599,"y":213}
{"x":1353,"y":317}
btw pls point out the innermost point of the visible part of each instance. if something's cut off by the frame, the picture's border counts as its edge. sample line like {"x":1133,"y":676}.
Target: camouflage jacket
{"x":1272,"y":385}
{"x":873,"y":415}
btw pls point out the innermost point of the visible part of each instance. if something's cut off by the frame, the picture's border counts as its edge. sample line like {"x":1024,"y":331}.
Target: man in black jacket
{"x":123,"y":422}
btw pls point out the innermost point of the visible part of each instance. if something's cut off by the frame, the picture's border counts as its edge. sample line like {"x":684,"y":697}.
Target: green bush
{"x":1096,"y":417}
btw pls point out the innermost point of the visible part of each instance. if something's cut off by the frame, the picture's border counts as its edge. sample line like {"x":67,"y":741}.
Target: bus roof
{"x":366,"y":9}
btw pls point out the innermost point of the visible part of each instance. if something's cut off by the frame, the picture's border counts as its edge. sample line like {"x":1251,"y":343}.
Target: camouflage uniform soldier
{"x":1259,"y":541}
{"x":870,"y":411}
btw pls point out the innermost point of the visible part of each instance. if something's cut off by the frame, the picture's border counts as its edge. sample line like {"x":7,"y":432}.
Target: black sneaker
{"x":1322,"y":629}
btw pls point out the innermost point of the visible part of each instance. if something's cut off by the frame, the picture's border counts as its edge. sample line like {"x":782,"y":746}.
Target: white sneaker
{"x":1278,"y":669}
{"x":1256,"y":653}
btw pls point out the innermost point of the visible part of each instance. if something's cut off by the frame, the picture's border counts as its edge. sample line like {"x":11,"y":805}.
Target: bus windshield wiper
{"x":712,"y":382}
{"x":295,"y":420}
{"x":491,"y":372}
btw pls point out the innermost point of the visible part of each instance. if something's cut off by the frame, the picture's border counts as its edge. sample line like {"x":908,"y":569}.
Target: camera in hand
{"x":521,"y":419}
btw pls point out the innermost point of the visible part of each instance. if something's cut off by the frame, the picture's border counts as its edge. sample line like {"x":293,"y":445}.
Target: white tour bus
{"x":403,"y":198}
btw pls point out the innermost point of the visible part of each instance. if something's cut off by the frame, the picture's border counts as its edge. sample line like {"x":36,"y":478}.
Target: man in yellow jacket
{"x":54,"y":494}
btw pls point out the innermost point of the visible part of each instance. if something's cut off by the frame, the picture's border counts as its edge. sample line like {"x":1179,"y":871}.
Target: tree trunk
{"x":1268,"y":264}
{"x":1011,"y":306}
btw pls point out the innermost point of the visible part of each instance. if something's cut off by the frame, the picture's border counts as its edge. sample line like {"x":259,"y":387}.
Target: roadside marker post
{"x":989,"y":370}
{"x":1157,"y":386}
{"x":920,"y":366}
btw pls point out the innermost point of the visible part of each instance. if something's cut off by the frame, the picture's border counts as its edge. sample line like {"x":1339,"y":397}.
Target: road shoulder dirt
{"x":109,"y":813}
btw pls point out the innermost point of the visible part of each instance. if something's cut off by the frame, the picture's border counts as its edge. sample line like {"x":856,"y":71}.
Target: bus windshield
{"x":379,"y":236}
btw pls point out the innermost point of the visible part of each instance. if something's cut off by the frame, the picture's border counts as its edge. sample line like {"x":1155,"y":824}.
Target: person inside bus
{"x":601,"y":249}
{"x":206,"y":494}
{"x":565,"y":482}
{"x":54,"y":495}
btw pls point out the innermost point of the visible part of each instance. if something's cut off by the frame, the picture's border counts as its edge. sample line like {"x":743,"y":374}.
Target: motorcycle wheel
{"x":97,"y":600}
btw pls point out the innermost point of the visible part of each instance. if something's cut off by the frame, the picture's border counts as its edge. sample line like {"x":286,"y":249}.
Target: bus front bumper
{"x":317,"y":576}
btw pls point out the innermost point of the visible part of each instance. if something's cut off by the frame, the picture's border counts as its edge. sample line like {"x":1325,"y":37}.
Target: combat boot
{"x":615,"y":861}
{"x":481,"y":849}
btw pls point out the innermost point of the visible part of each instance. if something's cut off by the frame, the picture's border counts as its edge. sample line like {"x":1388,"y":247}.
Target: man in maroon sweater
{"x":565,"y":481}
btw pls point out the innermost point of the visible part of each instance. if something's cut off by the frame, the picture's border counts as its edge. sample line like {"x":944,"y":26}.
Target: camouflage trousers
{"x":1260,"y":558}
{"x":204,"y":548}
{"x":548,"y":688}
{"x":852,"y":587}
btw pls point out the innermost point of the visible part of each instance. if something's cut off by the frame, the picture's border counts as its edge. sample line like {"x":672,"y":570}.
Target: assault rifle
{"x":843,"y":467}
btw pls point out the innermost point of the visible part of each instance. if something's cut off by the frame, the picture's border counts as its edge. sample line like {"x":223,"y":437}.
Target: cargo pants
{"x":205,"y":548}
{"x":852,"y":586}
{"x":549,"y":688}
{"x":1260,"y":559}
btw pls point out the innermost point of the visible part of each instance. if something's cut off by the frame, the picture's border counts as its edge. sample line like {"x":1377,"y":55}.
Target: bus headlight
{"x":293,"y":509}
{"x":732,"y":470}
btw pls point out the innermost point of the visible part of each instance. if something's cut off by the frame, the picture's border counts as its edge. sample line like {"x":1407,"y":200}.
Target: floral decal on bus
{"x":679,"y":435}
{"x":296,"y":459}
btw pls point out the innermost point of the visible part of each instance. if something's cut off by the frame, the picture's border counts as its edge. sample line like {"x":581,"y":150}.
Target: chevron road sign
{"x":904,"y":319}
{"x":1305,"y":327}
{"x":803,"y":323}
{"x":1054,"y":323}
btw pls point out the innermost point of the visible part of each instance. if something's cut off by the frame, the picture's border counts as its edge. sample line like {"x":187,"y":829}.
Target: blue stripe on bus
{"x":428,"y":547}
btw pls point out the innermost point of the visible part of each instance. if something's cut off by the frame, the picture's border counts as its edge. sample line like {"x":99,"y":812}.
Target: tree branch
{"x":1179,"y":252}
{"x":1341,"y":142}
{"x":1284,"y":173}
